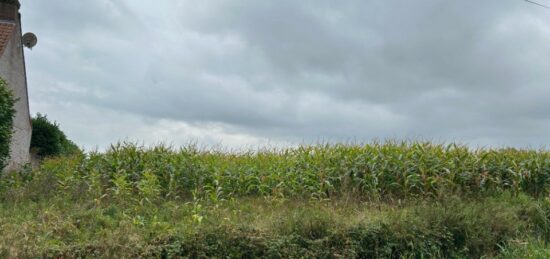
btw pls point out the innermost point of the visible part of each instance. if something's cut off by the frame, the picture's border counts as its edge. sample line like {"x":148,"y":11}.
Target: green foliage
{"x":309,"y":222}
{"x":7,"y":113}
{"x":149,"y":187}
{"x":121,"y":188}
{"x":382,"y":200}
{"x":532,"y":248}
{"x":375,"y":171}
{"x":255,"y":228}
{"x":49,"y":140}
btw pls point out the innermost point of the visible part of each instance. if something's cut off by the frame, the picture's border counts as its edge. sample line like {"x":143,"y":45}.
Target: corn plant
{"x":391,"y":169}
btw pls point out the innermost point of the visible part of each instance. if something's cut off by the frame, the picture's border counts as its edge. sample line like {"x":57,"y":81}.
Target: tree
{"x":48,"y":140}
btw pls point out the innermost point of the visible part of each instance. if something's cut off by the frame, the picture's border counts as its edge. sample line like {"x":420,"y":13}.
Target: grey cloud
{"x":302,"y":70}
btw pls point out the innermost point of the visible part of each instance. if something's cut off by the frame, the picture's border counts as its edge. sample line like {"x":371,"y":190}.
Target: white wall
{"x":12,"y":69}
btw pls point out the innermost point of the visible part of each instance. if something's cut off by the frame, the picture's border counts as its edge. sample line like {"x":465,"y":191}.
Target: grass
{"x":383,"y":200}
{"x":527,"y":249}
{"x":277,"y":229}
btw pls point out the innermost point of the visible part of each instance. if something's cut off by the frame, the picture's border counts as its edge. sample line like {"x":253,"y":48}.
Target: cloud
{"x":292,"y":72}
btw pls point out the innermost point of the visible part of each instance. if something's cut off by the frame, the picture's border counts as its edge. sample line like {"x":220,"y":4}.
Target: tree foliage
{"x":7,"y":113}
{"x":49,"y":140}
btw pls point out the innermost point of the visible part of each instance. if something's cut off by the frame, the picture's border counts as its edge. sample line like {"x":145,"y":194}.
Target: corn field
{"x":380,"y":200}
{"x":377,"y":170}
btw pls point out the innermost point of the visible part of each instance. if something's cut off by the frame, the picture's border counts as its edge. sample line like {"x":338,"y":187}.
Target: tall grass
{"x":259,"y":228}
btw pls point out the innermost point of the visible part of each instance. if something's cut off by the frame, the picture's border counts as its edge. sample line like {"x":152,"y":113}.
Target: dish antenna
{"x":29,"y":40}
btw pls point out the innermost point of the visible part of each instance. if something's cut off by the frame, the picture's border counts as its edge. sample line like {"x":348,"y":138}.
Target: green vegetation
{"x":250,"y":228}
{"x":49,"y":140}
{"x":7,"y":113}
{"x":383,"y":200}
{"x":376,"y":171}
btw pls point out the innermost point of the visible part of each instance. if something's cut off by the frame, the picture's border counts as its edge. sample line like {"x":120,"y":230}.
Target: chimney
{"x":9,"y":10}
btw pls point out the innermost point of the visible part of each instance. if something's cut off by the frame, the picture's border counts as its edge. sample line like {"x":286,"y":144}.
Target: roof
{"x":6,"y":32}
{"x":12,"y":2}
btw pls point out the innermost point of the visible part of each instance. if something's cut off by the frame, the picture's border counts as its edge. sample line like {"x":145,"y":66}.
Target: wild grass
{"x":252,"y":228}
{"x":382,"y":200}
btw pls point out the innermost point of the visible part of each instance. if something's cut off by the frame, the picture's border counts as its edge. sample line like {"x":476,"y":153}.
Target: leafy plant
{"x":7,"y":114}
{"x":149,"y":188}
{"x":49,"y":140}
{"x":121,"y":187}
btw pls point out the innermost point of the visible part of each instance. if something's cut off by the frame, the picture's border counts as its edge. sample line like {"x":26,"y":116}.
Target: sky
{"x":250,"y":73}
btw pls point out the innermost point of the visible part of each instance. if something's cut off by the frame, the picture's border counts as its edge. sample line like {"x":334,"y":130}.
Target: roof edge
{"x":11,"y":2}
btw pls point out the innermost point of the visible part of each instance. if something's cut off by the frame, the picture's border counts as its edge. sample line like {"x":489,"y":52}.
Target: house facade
{"x":12,"y":70}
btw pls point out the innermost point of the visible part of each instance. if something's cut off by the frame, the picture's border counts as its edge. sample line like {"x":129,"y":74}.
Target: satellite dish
{"x":29,"y":40}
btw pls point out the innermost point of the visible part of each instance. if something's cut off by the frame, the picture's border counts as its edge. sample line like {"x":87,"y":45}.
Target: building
{"x":12,"y":69}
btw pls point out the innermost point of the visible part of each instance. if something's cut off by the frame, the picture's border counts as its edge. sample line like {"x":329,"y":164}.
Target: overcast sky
{"x":244,"y":73}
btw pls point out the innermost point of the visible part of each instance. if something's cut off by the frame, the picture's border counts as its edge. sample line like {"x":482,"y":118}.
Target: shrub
{"x":7,"y":113}
{"x":49,"y":140}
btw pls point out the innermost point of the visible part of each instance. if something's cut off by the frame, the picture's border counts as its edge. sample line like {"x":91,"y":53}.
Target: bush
{"x":7,"y":113}
{"x":49,"y":140}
